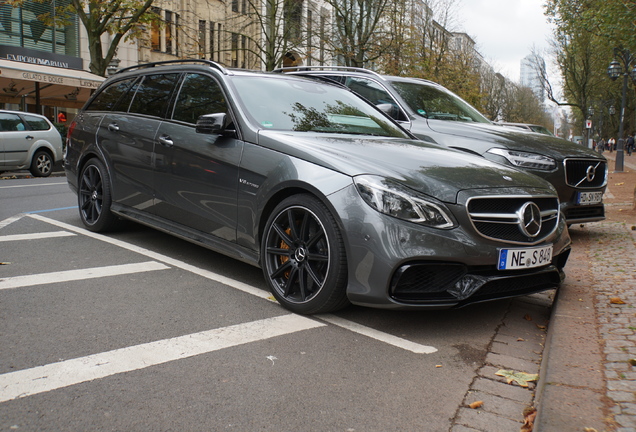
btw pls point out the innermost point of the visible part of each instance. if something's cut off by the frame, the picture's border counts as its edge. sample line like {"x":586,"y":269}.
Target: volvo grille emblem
{"x":590,"y":173}
{"x":530,"y":219}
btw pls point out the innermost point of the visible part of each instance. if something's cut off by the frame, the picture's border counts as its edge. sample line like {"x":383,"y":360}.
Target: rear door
{"x":127,"y":137}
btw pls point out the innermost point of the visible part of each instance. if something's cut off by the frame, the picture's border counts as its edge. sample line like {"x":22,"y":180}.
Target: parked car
{"x":436,"y":115}
{"x":28,"y":141}
{"x":332,"y":199}
{"x":526,"y":127}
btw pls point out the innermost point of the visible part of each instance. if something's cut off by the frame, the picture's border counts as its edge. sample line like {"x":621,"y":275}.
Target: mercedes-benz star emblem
{"x":530,"y":219}
{"x":590,"y":173}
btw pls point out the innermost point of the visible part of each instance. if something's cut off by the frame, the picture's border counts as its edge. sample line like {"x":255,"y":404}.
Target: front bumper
{"x":399,"y":265}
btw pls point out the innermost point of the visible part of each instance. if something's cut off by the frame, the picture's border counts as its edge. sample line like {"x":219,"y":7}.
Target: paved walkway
{"x":588,"y":375}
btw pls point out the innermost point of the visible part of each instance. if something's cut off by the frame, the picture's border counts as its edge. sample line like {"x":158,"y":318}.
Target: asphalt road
{"x":137,"y":330}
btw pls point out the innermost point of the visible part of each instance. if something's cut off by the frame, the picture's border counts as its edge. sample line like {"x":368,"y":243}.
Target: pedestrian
{"x":601,"y":146}
{"x":61,"y":117}
{"x":630,"y":144}
{"x":610,"y":144}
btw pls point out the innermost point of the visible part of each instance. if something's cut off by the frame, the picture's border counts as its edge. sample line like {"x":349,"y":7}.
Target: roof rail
{"x":327,"y":68}
{"x":159,"y":63}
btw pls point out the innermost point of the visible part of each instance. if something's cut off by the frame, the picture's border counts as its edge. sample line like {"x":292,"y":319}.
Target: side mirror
{"x":387,"y":109}
{"x":211,"y":123}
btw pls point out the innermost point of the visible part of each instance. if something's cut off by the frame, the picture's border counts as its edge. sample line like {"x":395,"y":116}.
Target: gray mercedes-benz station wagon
{"x":437,"y":115}
{"x":332,"y":199}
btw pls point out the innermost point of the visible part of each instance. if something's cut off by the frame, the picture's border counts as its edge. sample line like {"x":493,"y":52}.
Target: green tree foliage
{"x":587,"y":31}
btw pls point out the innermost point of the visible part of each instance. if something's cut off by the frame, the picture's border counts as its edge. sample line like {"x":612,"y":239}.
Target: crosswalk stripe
{"x":81,"y":274}
{"x":53,"y":376}
{"x":35,"y":236}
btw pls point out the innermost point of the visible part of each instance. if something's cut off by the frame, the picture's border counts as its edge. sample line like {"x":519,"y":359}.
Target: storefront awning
{"x":60,"y":87}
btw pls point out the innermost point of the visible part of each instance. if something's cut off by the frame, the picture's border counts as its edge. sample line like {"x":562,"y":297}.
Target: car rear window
{"x":37,"y":123}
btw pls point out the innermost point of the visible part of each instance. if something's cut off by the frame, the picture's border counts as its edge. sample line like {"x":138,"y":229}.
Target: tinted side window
{"x":153,"y":94}
{"x":375,"y":93}
{"x":37,"y":123}
{"x":11,"y":122}
{"x":199,"y":95}
{"x":107,"y":98}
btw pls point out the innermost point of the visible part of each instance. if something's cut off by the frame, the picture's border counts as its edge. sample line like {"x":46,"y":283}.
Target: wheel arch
{"x":286,"y":192}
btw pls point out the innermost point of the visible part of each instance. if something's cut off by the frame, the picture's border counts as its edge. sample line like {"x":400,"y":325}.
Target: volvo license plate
{"x":588,"y":198}
{"x":522,"y":258}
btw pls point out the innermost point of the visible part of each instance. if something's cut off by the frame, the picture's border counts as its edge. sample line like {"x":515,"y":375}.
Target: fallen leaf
{"x":632,"y":362}
{"x":619,"y":184}
{"x":521,"y":340}
{"x":527,"y":317}
{"x":477,"y":404}
{"x":5,"y":263}
{"x":542,"y":327}
{"x":438,"y":365}
{"x":520,"y":378}
{"x":589,"y":430}
{"x":616,"y":300}
{"x":529,"y":415}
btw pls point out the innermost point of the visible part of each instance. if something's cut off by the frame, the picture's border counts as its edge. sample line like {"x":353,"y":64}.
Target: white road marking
{"x":33,"y":185}
{"x":35,"y":236}
{"x":53,"y":376}
{"x":159,"y":257}
{"x":378,"y":335}
{"x":369,"y":332}
{"x":9,"y":221}
{"x":81,"y":274}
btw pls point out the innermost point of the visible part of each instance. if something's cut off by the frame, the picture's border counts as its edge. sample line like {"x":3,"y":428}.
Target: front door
{"x":196,"y":175}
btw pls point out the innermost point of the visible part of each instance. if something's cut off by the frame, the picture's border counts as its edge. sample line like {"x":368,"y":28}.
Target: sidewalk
{"x":588,"y":371}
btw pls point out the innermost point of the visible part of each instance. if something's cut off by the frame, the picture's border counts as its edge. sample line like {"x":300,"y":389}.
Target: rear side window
{"x":11,"y":123}
{"x":199,"y":95}
{"x":107,"y":98}
{"x":37,"y":123}
{"x":153,"y":94}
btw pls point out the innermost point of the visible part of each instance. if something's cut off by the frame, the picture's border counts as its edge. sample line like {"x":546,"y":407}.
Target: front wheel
{"x":94,"y":197}
{"x":303,"y":257}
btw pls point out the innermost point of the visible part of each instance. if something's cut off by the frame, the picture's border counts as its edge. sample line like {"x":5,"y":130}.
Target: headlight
{"x":393,"y":199}
{"x":525,"y":159}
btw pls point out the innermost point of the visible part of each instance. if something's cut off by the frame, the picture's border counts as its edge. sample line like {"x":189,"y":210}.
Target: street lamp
{"x":615,"y":70}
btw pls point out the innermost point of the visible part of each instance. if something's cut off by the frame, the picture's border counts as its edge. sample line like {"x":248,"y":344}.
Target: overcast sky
{"x":505,"y":30}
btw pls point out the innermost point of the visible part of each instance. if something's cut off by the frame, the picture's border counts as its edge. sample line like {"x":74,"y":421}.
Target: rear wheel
{"x":94,"y":197}
{"x":42,"y":164}
{"x":303,"y":256}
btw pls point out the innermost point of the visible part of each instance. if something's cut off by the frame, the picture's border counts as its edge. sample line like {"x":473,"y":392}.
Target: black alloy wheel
{"x":42,"y":164}
{"x":94,"y":197}
{"x":303,"y":257}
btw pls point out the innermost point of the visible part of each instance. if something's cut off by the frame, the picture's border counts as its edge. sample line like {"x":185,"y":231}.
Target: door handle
{"x":165,"y":140}
{"x":113,"y":127}
{"x":29,"y":137}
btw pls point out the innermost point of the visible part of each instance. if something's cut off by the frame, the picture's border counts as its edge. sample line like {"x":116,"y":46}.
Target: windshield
{"x":292,"y":104}
{"x":438,"y":103}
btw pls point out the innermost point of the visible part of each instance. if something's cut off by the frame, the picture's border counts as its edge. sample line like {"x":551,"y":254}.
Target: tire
{"x":94,"y":197}
{"x":303,"y":257}
{"x":42,"y":164}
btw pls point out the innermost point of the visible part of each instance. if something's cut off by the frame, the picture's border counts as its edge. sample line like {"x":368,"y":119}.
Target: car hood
{"x":486,"y":136}
{"x":428,"y":168}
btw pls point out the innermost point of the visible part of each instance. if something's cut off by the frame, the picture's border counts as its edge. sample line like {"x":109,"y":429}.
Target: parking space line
{"x":160,"y":257}
{"x":35,"y":236}
{"x":375,"y":334}
{"x":81,"y":274}
{"x":33,"y":185}
{"x":53,"y":376}
{"x":378,"y":335}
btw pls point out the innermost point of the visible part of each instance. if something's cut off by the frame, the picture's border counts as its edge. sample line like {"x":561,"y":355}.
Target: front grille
{"x":499,"y":218}
{"x":585,"y":173}
{"x":585,"y":212}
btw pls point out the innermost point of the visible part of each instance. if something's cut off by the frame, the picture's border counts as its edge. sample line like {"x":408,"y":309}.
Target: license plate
{"x":588,"y":198}
{"x":522,"y":258}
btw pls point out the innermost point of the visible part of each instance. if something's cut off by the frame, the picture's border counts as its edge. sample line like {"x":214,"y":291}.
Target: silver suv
{"x":331,"y":198}
{"x":436,"y":115}
{"x":28,"y":141}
